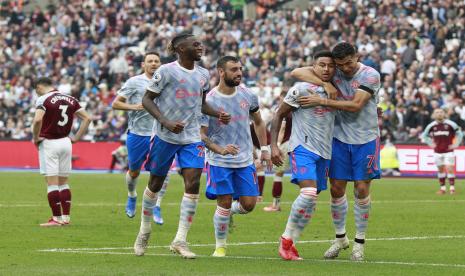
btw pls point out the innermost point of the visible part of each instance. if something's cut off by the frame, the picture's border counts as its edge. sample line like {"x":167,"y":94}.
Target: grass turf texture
{"x":432,"y":225}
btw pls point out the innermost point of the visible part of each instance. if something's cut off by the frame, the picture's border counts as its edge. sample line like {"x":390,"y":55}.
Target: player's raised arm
{"x":85,"y":121}
{"x":307,"y":74}
{"x":283,"y":110}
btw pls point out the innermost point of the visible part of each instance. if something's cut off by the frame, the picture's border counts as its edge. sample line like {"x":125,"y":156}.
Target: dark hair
{"x":323,"y":53}
{"x":343,"y":50}
{"x":148,"y":53}
{"x":43,"y":81}
{"x":177,"y":39}
{"x":221,"y":63}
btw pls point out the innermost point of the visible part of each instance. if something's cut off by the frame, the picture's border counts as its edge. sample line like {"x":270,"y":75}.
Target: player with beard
{"x":231,"y":173}
{"x":175,"y":97}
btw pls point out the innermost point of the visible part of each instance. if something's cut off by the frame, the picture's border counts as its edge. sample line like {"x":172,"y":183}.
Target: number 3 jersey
{"x":59,"y":113}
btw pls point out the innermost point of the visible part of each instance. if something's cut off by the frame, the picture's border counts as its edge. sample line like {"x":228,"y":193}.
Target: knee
{"x":337,"y":191}
{"x":134,"y":174}
{"x":248,"y":205}
{"x":362,"y":191}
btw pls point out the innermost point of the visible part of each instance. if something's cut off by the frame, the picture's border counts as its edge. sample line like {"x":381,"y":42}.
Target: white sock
{"x":131,"y":184}
{"x":221,"y":220}
{"x":188,"y":207}
{"x":303,"y":204}
{"x":236,"y":208}
{"x":148,"y":202}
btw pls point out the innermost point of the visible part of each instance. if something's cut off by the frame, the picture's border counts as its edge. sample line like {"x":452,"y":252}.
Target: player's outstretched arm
{"x":37,"y":125}
{"x":152,"y":108}
{"x":306,"y":74}
{"x":228,"y":149}
{"x":120,"y":104}
{"x":360,"y":99}
{"x":208,"y":110}
{"x":260,"y":130}
{"x":283,"y":110}
{"x":85,"y":122}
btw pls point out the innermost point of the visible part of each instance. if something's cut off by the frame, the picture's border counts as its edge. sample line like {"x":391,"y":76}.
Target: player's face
{"x":193,"y":48}
{"x":232,"y":73}
{"x":439,"y":114}
{"x":151,"y":64}
{"x":40,"y":89}
{"x":347,"y":65}
{"x":324,"y":68}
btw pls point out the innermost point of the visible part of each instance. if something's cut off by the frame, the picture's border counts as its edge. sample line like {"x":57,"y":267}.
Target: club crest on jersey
{"x":202,"y":82}
{"x":355,"y":84}
{"x":244,"y":104}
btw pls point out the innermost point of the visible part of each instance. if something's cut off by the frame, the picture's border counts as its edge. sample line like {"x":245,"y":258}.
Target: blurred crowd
{"x":91,"y":47}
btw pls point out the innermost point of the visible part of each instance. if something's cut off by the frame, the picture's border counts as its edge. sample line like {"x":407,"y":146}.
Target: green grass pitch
{"x":411,"y":231}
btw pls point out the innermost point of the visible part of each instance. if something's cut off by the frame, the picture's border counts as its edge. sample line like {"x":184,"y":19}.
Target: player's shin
{"x":131,"y":184}
{"x":65,"y":198}
{"x":339,"y":207}
{"x":162,"y":192}
{"x":188,"y":207}
{"x":361,"y":212}
{"x":303,"y":222}
{"x":54,"y":201}
{"x":221,"y":223}
{"x":148,"y":202}
{"x":305,"y":200}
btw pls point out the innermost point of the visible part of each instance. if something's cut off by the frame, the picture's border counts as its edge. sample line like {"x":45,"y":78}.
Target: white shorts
{"x":447,"y":158}
{"x":55,"y":157}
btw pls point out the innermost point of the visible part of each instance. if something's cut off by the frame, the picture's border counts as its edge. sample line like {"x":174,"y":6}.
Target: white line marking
{"x":254,"y":243}
{"x":95,"y":204}
{"x":275,"y":258}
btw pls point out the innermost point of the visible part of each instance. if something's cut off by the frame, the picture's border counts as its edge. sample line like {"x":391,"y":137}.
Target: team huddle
{"x":173,"y":114}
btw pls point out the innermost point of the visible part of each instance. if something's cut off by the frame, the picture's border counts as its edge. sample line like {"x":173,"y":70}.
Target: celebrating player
{"x":230,"y":170}
{"x":175,"y":97}
{"x":310,"y":150}
{"x":355,"y":155}
{"x":140,"y":125}
{"x":52,"y":124}
{"x":440,"y":135}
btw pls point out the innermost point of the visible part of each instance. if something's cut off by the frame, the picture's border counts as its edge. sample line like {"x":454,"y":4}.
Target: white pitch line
{"x":275,"y":258}
{"x":255,"y":243}
{"x":95,"y":204}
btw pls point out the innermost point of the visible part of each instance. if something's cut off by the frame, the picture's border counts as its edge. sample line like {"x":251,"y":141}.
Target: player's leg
{"x":160,"y":157}
{"x":450,"y":170}
{"x":260,"y":174}
{"x":304,"y":173}
{"x":439,"y":159}
{"x":276,"y":192}
{"x":138,"y":148}
{"x":157,"y":216}
{"x":65,"y":157}
{"x":191,"y":161}
{"x":340,"y":171}
{"x":365,"y":165}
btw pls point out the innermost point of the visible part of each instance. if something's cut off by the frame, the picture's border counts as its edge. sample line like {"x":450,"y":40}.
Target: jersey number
{"x":64,"y":116}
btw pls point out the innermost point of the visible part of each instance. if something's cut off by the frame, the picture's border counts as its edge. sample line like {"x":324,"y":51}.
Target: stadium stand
{"x":90,"y":48}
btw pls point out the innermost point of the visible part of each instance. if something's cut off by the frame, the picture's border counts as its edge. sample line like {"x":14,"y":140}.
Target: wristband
{"x":262,"y":148}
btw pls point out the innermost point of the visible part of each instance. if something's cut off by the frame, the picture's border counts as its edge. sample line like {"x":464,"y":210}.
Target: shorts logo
{"x":303,"y":170}
{"x":200,"y":148}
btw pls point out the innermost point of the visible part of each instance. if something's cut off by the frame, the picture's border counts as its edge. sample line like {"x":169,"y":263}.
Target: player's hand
{"x":276,"y":156}
{"x":452,"y":147}
{"x":330,"y":90}
{"x":265,"y":158}
{"x":309,"y":101}
{"x":224,"y":117}
{"x":37,"y":141}
{"x":175,"y":127}
{"x":138,"y":107}
{"x":230,"y":149}
{"x":73,"y":141}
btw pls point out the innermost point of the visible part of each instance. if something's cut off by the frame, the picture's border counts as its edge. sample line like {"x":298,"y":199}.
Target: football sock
{"x":221,"y":220}
{"x":442,"y":180}
{"x":305,"y":219}
{"x":451,"y":178}
{"x":188,"y":206}
{"x":131,"y":182}
{"x":236,"y":208}
{"x":54,"y":202}
{"x":277,"y":190}
{"x":361,"y":213}
{"x":65,"y":199}
{"x":162,"y":191}
{"x":261,"y":182}
{"x":339,"y":207}
{"x":148,"y":202}
{"x":297,"y":220}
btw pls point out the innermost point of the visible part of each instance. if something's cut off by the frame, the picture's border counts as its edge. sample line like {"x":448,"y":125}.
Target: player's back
{"x":357,"y":127}
{"x":59,"y":114}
